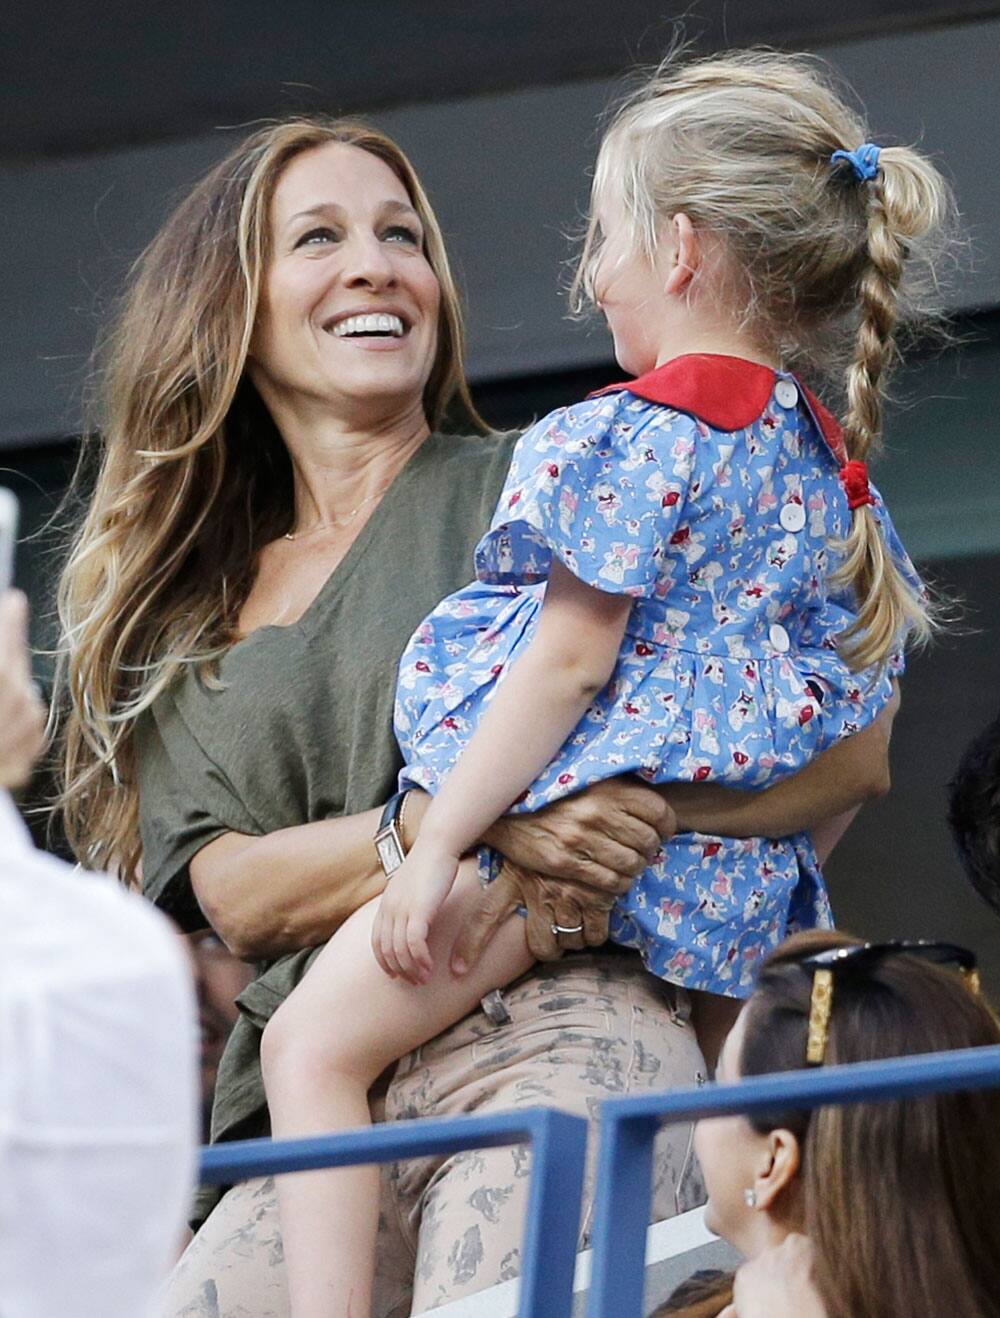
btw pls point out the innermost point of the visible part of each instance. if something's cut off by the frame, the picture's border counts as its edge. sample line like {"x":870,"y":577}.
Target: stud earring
{"x":750,"y":1197}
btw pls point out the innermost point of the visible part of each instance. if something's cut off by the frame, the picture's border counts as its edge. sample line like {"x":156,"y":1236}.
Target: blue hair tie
{"x":864,"y":160}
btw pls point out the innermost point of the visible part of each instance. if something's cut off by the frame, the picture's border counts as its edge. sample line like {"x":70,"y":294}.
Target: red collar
{"x":727,"y":393}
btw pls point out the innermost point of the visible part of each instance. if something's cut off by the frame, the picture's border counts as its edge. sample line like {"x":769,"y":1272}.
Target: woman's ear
{"x":784,"y":1157}
{"x":683,"y":252}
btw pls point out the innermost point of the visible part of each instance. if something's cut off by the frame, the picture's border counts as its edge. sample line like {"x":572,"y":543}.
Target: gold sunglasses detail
{"x":856,"y":958}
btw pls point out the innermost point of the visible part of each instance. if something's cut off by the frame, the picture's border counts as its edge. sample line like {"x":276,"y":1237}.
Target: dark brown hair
{"x":901,"y":1199}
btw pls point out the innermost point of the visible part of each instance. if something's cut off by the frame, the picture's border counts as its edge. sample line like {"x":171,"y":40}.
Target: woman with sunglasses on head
{"x":870,"y":1210}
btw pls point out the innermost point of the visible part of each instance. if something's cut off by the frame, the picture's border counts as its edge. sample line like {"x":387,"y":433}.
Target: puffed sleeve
{"x":601,"y":485}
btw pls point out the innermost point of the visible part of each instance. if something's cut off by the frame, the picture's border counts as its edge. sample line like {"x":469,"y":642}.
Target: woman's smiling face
{"x":348,"y":315}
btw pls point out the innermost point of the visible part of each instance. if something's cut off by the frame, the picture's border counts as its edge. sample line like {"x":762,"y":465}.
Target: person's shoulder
{"x":475,"y":465}
{"x":474,"y":460}
{"x":166,"y":706}
{"x":467,"y":449}
{"x":617,"y":416}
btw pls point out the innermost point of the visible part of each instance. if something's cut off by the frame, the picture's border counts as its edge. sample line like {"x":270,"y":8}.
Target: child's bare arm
{"x":569,"y":660}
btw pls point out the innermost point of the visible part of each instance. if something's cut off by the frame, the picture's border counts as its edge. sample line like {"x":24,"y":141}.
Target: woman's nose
{"x":368,"y":264}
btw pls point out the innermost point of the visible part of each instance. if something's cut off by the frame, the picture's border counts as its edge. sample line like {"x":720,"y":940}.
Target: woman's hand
{"x":566,"y":864}
{"x":549,"y":902}
{"x":22,"y":714}
{"x":600,"y":839}
{"x":777,"y":1284}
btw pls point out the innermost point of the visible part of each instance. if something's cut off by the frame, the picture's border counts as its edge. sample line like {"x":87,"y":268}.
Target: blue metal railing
{"x":625,"y":1161}
{"x":559,"y":1146}
{"x":629,"y":1125}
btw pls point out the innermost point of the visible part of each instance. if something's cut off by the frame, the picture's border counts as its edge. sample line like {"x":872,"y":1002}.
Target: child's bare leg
{"x":322,"y":1051}
{"x":713,"y":1016}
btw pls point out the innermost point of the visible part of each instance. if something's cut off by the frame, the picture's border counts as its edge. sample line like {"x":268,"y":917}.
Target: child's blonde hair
{"x":823,"y":264}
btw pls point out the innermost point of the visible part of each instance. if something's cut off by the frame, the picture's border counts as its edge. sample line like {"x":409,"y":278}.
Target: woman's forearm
{"x":828,"y":833}
{"x":829,"y":788}
{"x":290,"y":889}
{"x":797,"y":804}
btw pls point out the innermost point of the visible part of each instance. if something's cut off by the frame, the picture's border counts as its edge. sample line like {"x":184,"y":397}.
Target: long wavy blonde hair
{"x":193,"y":478}
{"x":822,"y":265}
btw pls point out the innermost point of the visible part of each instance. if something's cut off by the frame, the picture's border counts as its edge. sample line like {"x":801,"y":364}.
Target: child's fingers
{"x":401,"y":950}
{"x":386,"y":944}
{"x":417,"y":931}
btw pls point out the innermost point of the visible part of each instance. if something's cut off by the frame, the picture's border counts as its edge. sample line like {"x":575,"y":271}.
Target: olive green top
{"x":300,"y":727}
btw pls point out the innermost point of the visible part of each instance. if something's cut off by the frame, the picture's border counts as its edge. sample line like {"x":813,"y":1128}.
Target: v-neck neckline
{"x":343,"y":570}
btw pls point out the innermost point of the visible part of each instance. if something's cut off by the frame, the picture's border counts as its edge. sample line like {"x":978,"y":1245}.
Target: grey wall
{"x":508,"y":176}
{"x":896,"y":873}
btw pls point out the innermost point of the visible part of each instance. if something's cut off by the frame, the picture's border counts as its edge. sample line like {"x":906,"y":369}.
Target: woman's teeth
{"x":373,"y":324}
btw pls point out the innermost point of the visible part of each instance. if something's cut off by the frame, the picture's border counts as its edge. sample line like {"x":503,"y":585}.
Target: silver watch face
{"x":390,"y":854}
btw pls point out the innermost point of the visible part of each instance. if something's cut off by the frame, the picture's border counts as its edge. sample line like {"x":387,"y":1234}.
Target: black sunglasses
{"x":859,"y":957}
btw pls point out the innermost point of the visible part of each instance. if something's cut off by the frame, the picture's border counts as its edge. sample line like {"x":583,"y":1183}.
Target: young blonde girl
{"x":692,"y":572}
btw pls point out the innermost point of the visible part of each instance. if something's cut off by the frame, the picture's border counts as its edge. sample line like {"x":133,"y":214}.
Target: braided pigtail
{"x":824,"y":245}
{"x":908,"y":202}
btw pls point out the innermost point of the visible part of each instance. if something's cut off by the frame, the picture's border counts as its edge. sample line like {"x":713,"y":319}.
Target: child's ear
{"x":684,"y":254}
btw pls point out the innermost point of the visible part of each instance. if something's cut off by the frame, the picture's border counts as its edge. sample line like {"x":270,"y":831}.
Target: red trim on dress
{"x":727,"y":393}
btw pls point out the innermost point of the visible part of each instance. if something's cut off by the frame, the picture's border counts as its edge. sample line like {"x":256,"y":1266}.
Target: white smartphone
{"x":8,"y":537}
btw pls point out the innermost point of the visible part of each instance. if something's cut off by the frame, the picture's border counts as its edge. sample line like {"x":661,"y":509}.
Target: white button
{"x":786,"y":393}
{"x":779,"y":637}
{"x":792,"y":517}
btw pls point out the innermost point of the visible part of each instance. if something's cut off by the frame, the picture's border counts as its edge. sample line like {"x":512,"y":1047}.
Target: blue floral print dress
{"x":707,"y":491}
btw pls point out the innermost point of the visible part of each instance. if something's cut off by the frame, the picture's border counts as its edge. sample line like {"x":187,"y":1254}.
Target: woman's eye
{"x":315,"y":237}
{"x":402,"y":233}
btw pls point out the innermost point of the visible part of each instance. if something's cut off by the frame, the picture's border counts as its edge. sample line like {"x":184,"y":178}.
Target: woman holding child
{"x":276,"y":510}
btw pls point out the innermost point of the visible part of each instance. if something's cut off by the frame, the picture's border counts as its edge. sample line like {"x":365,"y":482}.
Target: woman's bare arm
{"x":821,"y":798}
{"x":294,"y":888}
{"x":290,"y":889}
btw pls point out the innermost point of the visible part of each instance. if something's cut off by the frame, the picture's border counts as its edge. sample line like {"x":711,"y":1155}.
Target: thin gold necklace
{"x":337,"y":521}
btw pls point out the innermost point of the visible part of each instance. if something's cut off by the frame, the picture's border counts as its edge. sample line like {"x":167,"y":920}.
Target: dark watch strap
{"x":392,"y":809}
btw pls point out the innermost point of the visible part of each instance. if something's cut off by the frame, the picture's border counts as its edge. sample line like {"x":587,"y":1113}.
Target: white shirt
{"x":98,"y":1090}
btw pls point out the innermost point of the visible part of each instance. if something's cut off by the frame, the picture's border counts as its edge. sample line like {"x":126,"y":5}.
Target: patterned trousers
{"x":589,"y":1027}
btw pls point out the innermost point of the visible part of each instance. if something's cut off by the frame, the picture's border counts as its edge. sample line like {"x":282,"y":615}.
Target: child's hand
{"x":412,"y":898}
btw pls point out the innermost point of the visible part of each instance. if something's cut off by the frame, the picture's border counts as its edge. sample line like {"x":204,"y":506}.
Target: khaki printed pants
{"x":590,"y":1027}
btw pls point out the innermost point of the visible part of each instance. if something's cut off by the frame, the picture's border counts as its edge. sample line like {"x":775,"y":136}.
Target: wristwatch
{"x":389,"y":845}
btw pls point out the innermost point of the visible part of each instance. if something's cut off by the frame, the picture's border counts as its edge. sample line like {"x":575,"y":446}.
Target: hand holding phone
{"x":22,"y":714}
